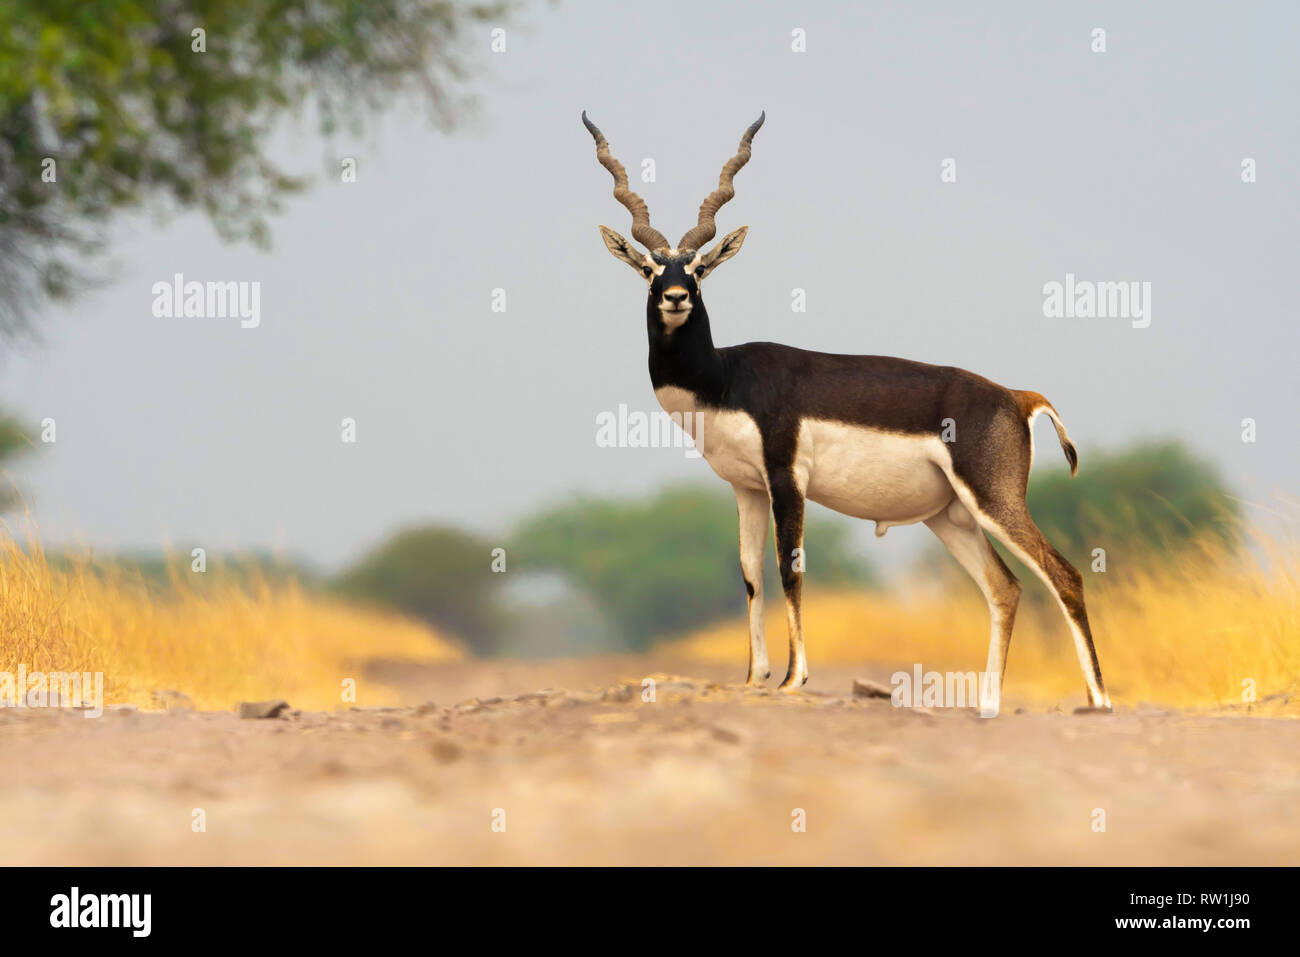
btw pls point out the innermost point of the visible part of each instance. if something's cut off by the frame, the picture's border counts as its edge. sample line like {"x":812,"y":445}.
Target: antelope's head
{"x":673,"y":273}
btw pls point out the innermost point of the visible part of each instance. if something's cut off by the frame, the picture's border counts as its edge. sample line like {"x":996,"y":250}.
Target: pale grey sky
{"x":376,"y":299}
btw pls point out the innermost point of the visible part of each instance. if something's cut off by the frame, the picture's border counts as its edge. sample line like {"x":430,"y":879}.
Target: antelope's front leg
{"x":753,"y":508}
{"x":787,"y":509}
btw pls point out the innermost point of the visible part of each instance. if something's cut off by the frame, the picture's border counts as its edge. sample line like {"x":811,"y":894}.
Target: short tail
{"x":1031,"y":403}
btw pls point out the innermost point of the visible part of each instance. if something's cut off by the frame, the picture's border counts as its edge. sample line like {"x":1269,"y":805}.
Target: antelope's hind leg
{"x":1007,"y":519}
{"x":1010,"y":522}
{"x":754,"y":509}
{"x":957,"y":529}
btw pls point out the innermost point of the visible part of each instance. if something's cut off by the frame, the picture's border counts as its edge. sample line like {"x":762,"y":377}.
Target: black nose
{"x":676,"y":298}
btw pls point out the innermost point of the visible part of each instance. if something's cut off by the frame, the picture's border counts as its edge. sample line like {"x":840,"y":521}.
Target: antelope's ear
{"x":623,"y":250}
{"x":720,"y":253}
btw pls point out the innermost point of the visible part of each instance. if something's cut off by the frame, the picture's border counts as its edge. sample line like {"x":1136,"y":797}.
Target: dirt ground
{"x":483,"y":766}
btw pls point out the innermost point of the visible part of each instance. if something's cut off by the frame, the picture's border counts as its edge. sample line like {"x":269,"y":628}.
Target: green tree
{"x":13,"y":442}
{"x":1153,"y":496}
{"x":669,"y":563}
{"x":442,"y":575}
{"x":135,"y":106}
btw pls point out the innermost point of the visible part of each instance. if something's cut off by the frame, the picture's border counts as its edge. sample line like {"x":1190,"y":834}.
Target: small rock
{"x":726,"y":735}
{"x":262,"y":709}
{"x":170,"y":700}
{"x":583,"y":697}
{"x":445,"y":749}
{"x":618,"y":693}
{"x":869,"y":689}
{"x":331,"y":768}
{"x":543,"y":697}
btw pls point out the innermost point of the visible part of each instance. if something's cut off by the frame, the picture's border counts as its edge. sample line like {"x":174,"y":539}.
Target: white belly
{"x":882,"y":476}
{"x":868,"y":473}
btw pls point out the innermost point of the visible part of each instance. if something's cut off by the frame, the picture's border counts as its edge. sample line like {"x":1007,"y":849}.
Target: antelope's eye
{"x":699,"y":272}
{"x":646,"y":270}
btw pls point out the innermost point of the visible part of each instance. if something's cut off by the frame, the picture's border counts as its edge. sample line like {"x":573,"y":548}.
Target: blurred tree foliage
{"x":120,"y":96}
{"x":13,"y":442}
{"x":1151,"y":497}
{"x":647,"y":567}
{"x":442,"y":575}
{"x":666,"y":564}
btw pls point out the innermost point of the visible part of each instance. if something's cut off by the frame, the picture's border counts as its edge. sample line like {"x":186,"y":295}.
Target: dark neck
{"x":686,"y":358}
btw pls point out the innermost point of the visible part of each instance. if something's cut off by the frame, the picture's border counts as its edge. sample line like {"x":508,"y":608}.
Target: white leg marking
{"x":754,"y":509}
{"x":963,"y":538}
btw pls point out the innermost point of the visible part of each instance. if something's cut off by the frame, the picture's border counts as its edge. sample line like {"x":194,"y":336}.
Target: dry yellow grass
{"x":1184,"y":636}
{"x":220,"y":644}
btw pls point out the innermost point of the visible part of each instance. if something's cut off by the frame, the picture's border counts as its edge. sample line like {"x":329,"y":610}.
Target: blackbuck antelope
{"x":884,"y":439}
